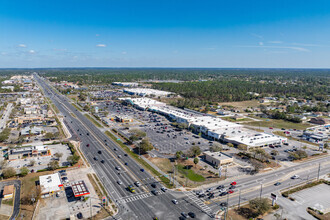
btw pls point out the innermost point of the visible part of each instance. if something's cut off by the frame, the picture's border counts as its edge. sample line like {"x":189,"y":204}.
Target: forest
{"x":202,"y":86}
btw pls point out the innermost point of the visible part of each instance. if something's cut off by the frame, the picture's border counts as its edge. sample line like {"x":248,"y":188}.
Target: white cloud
{"x":101,"y":45}
{"x":261,"y":43}
{"x":124,"y":52}
{"x":32,"y":51}
{"x":257,"y":36}
{"x":22,"y":45}
{"x":280,"y":47}
{"x":275,"y":42}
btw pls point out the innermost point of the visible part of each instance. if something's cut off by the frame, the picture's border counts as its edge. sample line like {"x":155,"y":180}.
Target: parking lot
{"x":41,"y":162}
{"x":65,"y":204}
{"x":166,"y":138}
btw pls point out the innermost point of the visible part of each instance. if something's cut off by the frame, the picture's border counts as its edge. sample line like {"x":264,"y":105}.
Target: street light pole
{"x":239,"y":199}
{"x":260,"y":190}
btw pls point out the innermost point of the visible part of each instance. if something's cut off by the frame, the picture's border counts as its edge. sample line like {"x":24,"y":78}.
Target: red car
{"x":233,"y":183}
{"x":231,"y":191}
{"x":270,"y":128}
{"x":87,"y":145}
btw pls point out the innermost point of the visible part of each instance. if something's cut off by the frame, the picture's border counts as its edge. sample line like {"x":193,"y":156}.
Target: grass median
{"x":93,"y":120}
{"x":147,"y":166}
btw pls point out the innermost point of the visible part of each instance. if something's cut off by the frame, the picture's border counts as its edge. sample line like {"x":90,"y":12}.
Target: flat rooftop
{"x":217,"y":155}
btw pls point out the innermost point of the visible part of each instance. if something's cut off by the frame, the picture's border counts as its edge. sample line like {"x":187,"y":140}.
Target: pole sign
{"x":104,"y":200}
{"x":273,"y":196}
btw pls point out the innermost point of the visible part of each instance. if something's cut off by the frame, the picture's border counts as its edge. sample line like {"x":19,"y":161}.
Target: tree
{"x":257,"y":165}
{"x":326,"y":146}
{"x":196,"y":160}
{"x":73,"y":159}
{"x":145,"y":146}
{"x":274,"y":152}
{"x":195,"y":151}
{"x":24,"y":171}
{"x":230,"y":145}
{"x":178,"y":154}
{"x":133,"y":138}
{"x":32,"y":163}
{"x":53,"y":165}
{"x":242,"y":147}
{"x":261,"y":205}
{"x":138,"y":133}
{"x":9,"y":172}
{"x":58,"y":155}
{"x":216,"y":147}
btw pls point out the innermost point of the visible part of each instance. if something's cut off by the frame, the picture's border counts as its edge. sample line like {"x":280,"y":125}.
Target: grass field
{"x":278,"y":124}
{"x":190,"y":174}
{"x":8,"y":201}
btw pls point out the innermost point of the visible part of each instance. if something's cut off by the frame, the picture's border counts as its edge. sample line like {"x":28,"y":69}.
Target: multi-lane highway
{"x":5,"y":116}
{"x":112,"y":165}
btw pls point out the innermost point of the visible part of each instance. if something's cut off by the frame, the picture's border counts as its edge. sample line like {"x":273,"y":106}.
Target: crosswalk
{"x":137,"y":197}
{"x":198,"y":201}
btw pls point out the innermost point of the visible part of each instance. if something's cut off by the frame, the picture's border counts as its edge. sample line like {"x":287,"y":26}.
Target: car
{"x":125,"y":155}
{"x":137,"y":183}
{"x":99,"y":152}
{"x":223,"y":204}
{"x":155,"y":192}
{"x":153,"y":185}
{"x":270,"y":128}
{"x":119,"y":156}
{"x":201,"y":195}
{"x":222,"y":190}
{"x":80,"y":215}
{"x":175,"y":201}
{"x":87,"y":145}
{"x":95,"y":158}
{"x":182,"y":218}
{"x":131,"y":188}
{"x":142,"y":170}
{"x":233,"y":183}
{"x":223,"y":194}
{"x":119,"y":182}
{"x":277,"y":184}
{"x":115,"y":149}
{"x":232,"y":187}
{"x":163,"y":189}
{"x":87,"y":133}
{"x":126,"y":164}
{"x":282,"y":129}
{"x":221,"y":187}
{"x":191,"y":214}
{"x":184,"y":214}
{"x":286,"y":143}
{"x":231,"y":191}
{"x":62,"y":171}
{"x":211,"y":196}
{"x":210,"y":189}
{"x":102,"y":161}
{"x":295,"y":177}
{"x":65,"y":179}
{"x":118,"y":168}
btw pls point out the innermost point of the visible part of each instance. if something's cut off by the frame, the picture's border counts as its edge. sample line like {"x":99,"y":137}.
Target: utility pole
{"x":227,"y":206}
{"x":260,"y":190}
{"x":318,"y":172}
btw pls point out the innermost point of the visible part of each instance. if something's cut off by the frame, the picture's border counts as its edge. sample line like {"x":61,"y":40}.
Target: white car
{"x":119,"y":182}
{"x":295,"y":177}
{"x":175,"y":201}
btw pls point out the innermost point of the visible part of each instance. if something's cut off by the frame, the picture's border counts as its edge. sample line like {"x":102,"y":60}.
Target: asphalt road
{"x":16,"y":207}
{"x":139,"y":205}
{"x":5,"y":116}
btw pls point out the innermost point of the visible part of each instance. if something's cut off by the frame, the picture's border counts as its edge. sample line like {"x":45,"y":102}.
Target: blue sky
{"x":171,"y":33}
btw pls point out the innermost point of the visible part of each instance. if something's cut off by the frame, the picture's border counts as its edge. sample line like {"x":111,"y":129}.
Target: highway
{"x":139,"y":205}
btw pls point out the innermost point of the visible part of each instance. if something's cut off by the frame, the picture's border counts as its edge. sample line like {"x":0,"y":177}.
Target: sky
{"x":165,"y":33}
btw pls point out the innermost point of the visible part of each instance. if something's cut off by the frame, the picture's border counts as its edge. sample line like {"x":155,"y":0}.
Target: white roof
{"x":50,"y":183}
{"x":144,"y":91}
{"x":257,"y":139}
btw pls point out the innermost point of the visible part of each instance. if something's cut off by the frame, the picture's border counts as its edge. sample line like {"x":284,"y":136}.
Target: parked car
{"x":175,"y":201}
